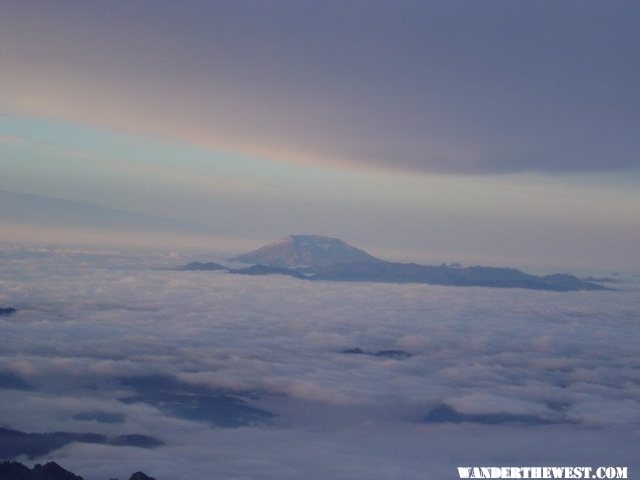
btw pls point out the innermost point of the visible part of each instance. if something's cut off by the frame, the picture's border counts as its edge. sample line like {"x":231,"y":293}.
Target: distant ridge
{"x":298,"y":251}
{"x":318,"y":258}
{"x":476,"y":276}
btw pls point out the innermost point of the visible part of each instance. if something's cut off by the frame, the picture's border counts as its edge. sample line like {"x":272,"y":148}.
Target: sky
{"x":483,"y":132}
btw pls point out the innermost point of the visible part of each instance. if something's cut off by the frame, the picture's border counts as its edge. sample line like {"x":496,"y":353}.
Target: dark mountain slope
{"x":390,"y":272}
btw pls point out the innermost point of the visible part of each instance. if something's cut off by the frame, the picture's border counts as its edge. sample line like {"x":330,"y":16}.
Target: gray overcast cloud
{"x":457,"y":87}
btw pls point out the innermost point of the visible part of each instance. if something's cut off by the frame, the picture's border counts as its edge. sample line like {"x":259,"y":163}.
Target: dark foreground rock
{"x":140,"y":476}
{"x":6,"y":311}
{"x":48,"y":471}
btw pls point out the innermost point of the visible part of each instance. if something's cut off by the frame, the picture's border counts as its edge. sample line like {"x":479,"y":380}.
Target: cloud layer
{"x":91,"y":324}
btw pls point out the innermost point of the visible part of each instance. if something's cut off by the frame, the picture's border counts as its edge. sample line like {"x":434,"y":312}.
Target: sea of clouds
{"x":101,"y":337}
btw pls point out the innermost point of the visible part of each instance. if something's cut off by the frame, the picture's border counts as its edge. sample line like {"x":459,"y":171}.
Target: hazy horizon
{"x":47,"y":222}
{"x":501,"y":132}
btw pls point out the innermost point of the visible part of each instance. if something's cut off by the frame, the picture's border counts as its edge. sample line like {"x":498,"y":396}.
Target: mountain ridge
{"x":474,"y":276}
{"x":301,"y":257}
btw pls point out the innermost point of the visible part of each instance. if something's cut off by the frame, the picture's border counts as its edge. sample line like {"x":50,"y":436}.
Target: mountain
{"x":391,"y":272}
{"x":48,"y":471}
{"x":313,"y":257}
{"x":298,"y":251}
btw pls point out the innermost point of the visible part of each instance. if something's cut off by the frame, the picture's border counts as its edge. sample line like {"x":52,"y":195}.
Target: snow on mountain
{"x":297,"y":251}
